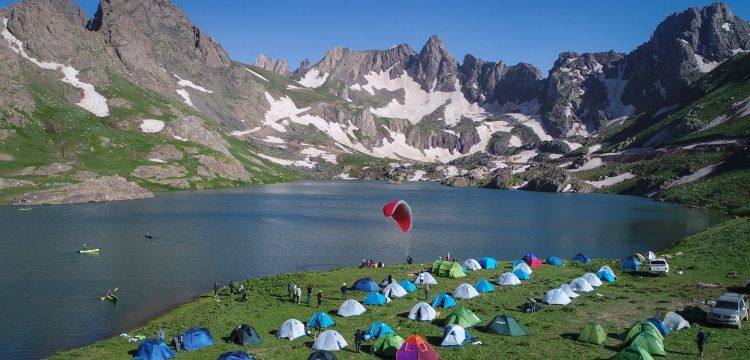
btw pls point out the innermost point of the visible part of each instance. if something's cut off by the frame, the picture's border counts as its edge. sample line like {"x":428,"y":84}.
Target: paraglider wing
{"x":400,"y":211}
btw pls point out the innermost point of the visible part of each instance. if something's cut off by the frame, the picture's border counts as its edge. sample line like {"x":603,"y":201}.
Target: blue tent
{"x":374,"y":298}
{"x":521,"y":275}
{"x":631,"y":264}
{"x":235,"y":355}
{"x":323,"y":318}
{"x":407,"y":285}
{"x":365,"y":284}
{"x":488,"y":263}
{"x":530,"y":256}
{"x":443,"y":300}
{"x":197,"y":338}
{"x":377,"y":329}
{"x":515,"y":263}
{"x":153,"y":349}
{"x":581,"y":258}
{"x":554,"y":260}
{"x":606,"y":276}
{"x":659,"y":325}
{"x":484,"y":286}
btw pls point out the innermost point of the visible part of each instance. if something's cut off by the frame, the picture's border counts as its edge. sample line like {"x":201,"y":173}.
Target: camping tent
{"x":673,"y":321}
{"x":523,"y":266}
{"x":374,"y":298}
{"x":488,"y":263}
{"x":448,"y":269}
{"x":568,"y":291}
{"x":554,"y":260}
{"x":235,"y":355}
{"x":394,"y":290}
{"x":632,"y":353}
{"x":484,"y":286}
{"x":693,"y":313}
{"x":426,"y":278}
{"x":322,"y":355}
{"x":631,"y":264}
{"x":320,"y":319}
{"x":638,"y":257}
{"x":443,"y":300}
{"x":508,"y":278}
{"x":153,"y":349}
{"x":593,"y":333}
{"x":365,"y":284}
{"x":422,"y":312}
{"x":650,"y":343}
{"x":472,"y":265}
{"x":556,"y":297}
{"x":291,"y":329}
{"x":456,"y":336}
{"x":197,"y":338}
{"x":407,"y":285}
{"x":650,"y":255}
{"x":465,"y":291}
{"x":581,"y":258}
{"x":329,"y":340}
{"x":607,"y":269}
{"x":416,"y":348}
{"x":463,"y":317}
{"x":245,"y":335}
{"x":377,"y":330}
{"x":521,"y":275}
{"x":659,"y":325}
{"x":506,"y":325}
{"x":592,"y":279}
{"x":351,"y":308}
{"x":387,"y":345}
{"x":581,"y":285}
{"x":532,"y":260}
{"x":642,"y":326}
{"x":605,"y":276}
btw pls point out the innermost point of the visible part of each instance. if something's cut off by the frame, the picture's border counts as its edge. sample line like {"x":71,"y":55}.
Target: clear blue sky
{"x":511,"y":31}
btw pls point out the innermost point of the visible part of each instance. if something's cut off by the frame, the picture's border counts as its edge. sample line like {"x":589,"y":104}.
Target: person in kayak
{"x":148,"y":236}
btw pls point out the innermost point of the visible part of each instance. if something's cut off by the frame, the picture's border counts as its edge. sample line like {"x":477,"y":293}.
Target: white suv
{"x":658,"y":266}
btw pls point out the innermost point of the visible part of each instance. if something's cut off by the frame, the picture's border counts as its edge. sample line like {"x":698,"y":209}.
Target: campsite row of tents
{"x":564,"y":294}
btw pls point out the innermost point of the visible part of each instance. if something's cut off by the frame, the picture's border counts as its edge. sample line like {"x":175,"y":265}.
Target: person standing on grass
{"x":161,"y":334}
{"x":358,"y":340}
{"x":216,"y":289}
{"x":343,"y":291}
{"x":409,"y":260}
{"x":320,"y":298}
{"x":289,"y":288}
{"x":426,"y":288}
{"x":299,"y":294}
{"x":309,"y":294}
{"x":294,"y":293}
{"x":701,"y":341}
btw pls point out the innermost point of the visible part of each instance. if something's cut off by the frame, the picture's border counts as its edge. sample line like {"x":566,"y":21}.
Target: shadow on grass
{"x":615,"y":348}
{"x":680,"y":352}
{"x":739,"y":289}
{"x":614,"y":335}
{"x":569,"y":336}
{"x":434,"y":340}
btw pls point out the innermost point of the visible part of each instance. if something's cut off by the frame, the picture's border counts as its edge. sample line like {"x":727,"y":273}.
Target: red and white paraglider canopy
{"x":400,"y":211}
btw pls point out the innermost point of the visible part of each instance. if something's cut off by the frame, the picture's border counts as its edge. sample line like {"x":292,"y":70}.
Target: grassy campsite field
{"x":705,"y":257}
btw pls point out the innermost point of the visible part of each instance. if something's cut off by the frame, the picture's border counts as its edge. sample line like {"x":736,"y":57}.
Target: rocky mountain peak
{"x":435,"y":68}
{"x":279,"y":66}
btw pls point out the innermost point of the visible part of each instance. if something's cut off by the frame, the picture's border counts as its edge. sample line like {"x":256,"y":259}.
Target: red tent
{"x":532,"y":260}
{"x":416,"y":348}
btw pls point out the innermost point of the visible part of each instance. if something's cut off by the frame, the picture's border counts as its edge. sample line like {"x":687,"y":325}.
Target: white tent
{"x":351,"y":308}
{"x":508,"y":278}
{"x":674,"y":321}
{"x":291,"y":329}
{"x":568,"y":291}
{"x":556,"y":297}
{"x":454,"y":335}
{"x":426,"y":278}
{"x":592,"y":279}
{"x":329,"y":340}
{"x":651,"y":255}
{"x":523,"y":266}
{"x":608,"y":269}
{"x":465,"y":291}
{"x":394,"y":290}
{"x":472,"y":265}
{"x":581,"y":285}
{"x":422,"y":312}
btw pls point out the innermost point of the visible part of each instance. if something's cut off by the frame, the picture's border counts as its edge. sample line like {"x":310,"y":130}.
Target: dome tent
{"x":650,"y":343}
{"x":448,"y":269}
{"x":554,"y":260}
{"x":556,"y":297}
{"x":593,"y":333}
{"x":235,"y":355}
{"x":592,"y":279}
{"x":456,"y":336}
{"x":472,"y":265}
{"x":329,"y":340}
{"x":673,"y":321}
{"x":465,"y":291}
{"x":581,"y":285}
{"x":484,"y":286}
{"x":291,"y":329}
{"x":463,"y":317}
{"x":642,"y":326}
{"x":197,"y":338}
{"x":377,"y":330}
{"x":416,"y":348}
{"x":322,"y":355}
{"x":422,"y":312}
{"x":374,"y":298}
{"x":521,"y":275}
{"x":365,"y":284}
{"x":532,"y":260}
{"x":387,"y":345}
{"x":244,"y":335}
{"x":568,"y":291}
{"x":443,"y":300}
{"x":407,"y":285}
{"x":488,"y":263}
{"x":394,"y":290}
{"x":506,"y":325}
{"x":508,"y":279}
{"x":631,"y":264}
{"x":523,"y":266}
{"x":153,"y":349}
{"x":426,"y":278}
{"x":606,"y":269}
{"x":605,"y":276}
{"x":583,"y":259}
{"x":351,"y":307}
{"x":632,"y":353}
{"x":320,"y":319}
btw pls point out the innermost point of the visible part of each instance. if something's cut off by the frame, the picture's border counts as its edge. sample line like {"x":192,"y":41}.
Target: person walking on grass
{"x":216,"y":289}
{"x":426,"y":288}
{"x":309,"y":294}
{"x":343,"y":291}
{"x":299,"y":294}
{"x":358,"y":337}
{"x":320,"y":298}
{"x":161,"y":334}
{"x":289,"y":288}
{"x":294,"y":293}
{"x":701,"y":341}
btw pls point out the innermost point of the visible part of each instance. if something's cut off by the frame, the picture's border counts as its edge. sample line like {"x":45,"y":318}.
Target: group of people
{"x":371,"y":264}
{"x":295,"y":292}
{"x":233,"y":289}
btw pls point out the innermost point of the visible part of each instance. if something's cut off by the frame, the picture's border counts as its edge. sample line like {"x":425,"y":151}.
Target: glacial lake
{"x":50,"y":293}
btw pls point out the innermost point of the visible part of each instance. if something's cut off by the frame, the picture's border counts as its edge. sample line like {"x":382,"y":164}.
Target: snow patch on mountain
{"x":300,"y":163}
{"x":532,"y":124}
{"x":514,"y":141}
{"x":245,"y":132}
{"x":257,"y":75}
{"x":727,"y":26}
{"x":573,"y":145}
{"x":612,"y":180}
{"x":187,"y":83}
{"x":418,"y":175}
{"x":615,"y":88}
{"x":92,"y":101}
{"x":312,"y":152}
{"x":588,"y":165}
{"x":705,"y":66}
{"x":151,"y":126}
{"x":274,"y":140}
{"x":524,"y":156}
{"x":313,"y":79}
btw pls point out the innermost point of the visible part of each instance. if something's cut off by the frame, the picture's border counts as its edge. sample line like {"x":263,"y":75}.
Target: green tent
{"x":640,"y":327}
{"x":436,"y":266}
{"x":650,"y":343}
{"x":593,"y":333}
{"x":632,"y":353}
{"x":447,"y":269}
{"x":463,"y":317}
{"x":388,"y":345}
{"x":506,"y":325}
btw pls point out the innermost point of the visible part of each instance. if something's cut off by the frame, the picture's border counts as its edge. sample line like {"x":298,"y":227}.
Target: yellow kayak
{"x":89,"y":251}
{"x":24,"y":209}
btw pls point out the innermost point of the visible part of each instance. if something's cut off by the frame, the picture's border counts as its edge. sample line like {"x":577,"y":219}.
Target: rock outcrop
{"x":278,"y":66}
{"x":107,"y":188}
